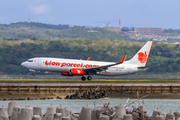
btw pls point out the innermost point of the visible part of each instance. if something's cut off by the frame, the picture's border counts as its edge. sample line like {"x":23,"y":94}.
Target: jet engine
{"x":75,"y":71}
{"x":65,"y":74}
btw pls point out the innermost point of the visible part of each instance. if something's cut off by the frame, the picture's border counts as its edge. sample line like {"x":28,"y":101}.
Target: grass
{"x":91,"y":80}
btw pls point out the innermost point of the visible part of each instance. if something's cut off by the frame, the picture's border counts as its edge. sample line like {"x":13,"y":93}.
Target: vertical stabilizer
{"x":141,"y":57}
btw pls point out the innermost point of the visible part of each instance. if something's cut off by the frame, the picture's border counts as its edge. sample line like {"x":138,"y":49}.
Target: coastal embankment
{"x":33,"y":90}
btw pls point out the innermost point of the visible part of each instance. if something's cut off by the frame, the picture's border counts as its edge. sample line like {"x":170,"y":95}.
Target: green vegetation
{"x":172,"y":31}
{"x":13,"y":53}
{"x":40,"y":31}
{"x":21,"y":41}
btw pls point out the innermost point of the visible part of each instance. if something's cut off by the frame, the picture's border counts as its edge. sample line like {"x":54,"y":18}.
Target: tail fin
{"x":142,"y":55}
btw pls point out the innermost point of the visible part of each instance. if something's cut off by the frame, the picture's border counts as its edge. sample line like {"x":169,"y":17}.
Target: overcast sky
{"x":136,"y":13}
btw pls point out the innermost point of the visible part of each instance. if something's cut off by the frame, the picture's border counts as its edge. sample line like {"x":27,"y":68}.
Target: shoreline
{"x":113,"y":95}
{"x":89,"y":90}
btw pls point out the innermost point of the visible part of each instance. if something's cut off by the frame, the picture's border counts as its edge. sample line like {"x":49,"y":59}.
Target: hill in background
{"x":41,"y":31}
{"x":21,"y":41}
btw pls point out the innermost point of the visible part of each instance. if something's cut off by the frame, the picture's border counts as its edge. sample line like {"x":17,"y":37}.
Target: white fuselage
{"x":64,"y":66}
{"x":71,"y":67}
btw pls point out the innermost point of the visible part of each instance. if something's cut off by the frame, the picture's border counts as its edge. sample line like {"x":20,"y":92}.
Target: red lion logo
{"x":142,"y":57}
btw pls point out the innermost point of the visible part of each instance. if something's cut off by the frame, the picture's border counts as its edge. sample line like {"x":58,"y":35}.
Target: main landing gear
{"x":89,"y":77}
{"x":83,"y":78}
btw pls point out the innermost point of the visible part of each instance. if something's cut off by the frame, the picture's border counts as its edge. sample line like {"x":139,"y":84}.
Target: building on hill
{"x":147,"y":31}
{"x":113,"y":29}
{"x":143,"y":33}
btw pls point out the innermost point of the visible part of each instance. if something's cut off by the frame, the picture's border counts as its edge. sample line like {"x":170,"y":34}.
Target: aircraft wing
{"x":102,"y":68}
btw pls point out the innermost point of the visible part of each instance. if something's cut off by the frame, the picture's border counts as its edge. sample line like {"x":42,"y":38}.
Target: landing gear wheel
{"x":34,"y":74}
{"x":83,"y":78}
{"x":89,"y":78}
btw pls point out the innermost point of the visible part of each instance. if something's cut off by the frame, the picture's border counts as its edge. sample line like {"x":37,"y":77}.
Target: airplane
{"x":74,"y":67}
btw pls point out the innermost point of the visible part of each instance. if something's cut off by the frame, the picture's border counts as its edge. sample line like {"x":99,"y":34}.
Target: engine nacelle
{"x":65,"y":74}
{"x":75,"y":71}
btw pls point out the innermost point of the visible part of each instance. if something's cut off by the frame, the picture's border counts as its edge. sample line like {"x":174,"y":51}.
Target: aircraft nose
{"x":25,"y":64}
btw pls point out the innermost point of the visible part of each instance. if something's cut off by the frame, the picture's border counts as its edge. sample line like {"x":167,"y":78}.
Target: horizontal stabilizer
{"x":145,"y":67}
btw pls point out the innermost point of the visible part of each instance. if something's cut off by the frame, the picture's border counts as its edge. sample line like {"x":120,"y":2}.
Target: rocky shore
{"x":129,"y":111}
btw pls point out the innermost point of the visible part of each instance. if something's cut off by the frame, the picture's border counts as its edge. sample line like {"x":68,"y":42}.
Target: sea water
{"x":164,"y":105}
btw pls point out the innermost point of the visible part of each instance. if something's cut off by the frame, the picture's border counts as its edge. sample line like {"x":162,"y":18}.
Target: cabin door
{"x":39,"y":62}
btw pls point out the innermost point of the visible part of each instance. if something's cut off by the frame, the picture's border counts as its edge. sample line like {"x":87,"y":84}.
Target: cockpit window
{"x":30,"y":60}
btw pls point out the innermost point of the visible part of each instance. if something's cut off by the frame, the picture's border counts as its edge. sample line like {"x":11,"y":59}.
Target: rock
{"x":67,"y":97}
{"x":128,"y":117}
{"x":36,"y":117}
{"x":170,"y":116}
{"x":176,"y":115}
{"x":95,"y":115}
{"x":11,"y":105}
{"x":65,"y":118}
{"x":26,"y":114}
{"x":59,"y":97}
{"x":37,"y":111}
{"x":104,"y":118}
{"x":155,"y":113}
{"x":57,"y":116}
{"x":61,"y":110}
{"x":160,"y":117}
{"x":4,"y":114}
{"x":120,"y":111}
{"x":135,"y":116}
{"x":49,"y":113}
{"x":16,"y":111}
{"x":85,"y":113}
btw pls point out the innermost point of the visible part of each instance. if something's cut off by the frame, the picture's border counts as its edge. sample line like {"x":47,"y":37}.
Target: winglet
{"x":89,"y":59}
{"x":122,"y":59}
